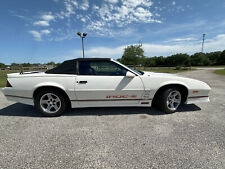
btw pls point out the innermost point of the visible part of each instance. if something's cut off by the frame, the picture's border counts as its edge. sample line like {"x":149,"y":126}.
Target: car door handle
{"x":82,"y":82}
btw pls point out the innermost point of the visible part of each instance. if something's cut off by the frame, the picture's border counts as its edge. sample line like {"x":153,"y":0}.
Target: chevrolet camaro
{"x":102,"y":82}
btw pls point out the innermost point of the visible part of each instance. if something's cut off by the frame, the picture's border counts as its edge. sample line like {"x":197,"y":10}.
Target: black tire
{"x":59,"y":102}
{"x":162,"y":101}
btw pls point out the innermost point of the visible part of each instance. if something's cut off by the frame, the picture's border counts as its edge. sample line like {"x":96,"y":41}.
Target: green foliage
{"x":221,"y":59}
{"x":26,"y":65}
{"x":50,"y":63}
{"x":200,"y":59}
{"x":2,"y":65}
{"x":178,"y":68}
{"x":214,"y":57}
{"x":149,"y":62}
{"x":133,"y":55}
{"x":178,"y":60}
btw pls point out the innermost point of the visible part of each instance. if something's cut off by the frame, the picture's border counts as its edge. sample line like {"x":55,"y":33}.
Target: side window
{"x":101,"y":68}
{"x":67,"y":67}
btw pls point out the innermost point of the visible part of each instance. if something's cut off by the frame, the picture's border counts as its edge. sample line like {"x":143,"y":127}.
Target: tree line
{"x":134,"y":55}
{"x":2,"y":65}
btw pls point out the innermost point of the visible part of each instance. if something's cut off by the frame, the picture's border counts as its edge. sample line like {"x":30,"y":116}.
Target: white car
{"x":102,"y":82}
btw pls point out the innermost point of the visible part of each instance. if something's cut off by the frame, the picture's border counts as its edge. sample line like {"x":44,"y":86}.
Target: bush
{"x":178,"y":68}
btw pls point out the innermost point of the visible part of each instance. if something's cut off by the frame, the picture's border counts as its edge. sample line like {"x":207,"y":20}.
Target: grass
{"x":220,"y":72}
{"x":218,"y":66}
{"x":3,"y":76}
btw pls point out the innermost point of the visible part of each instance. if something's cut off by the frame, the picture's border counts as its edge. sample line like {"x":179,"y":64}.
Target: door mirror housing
{"x":129,"y":74}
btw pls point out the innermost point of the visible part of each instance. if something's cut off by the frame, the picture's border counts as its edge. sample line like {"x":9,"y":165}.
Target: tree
{"x":160,"y":60}
{"x":133,"y":55}
{"x":199,"y":59}
{"x":2,"y":65}
{"x":221,"y":59}
{"x":50,"y":63}
{"x":214,"y":57}
{"x":149,"y":62}
{"x":26,"y":64}
{"x":15,"y":64}
{"x":178,"y":60}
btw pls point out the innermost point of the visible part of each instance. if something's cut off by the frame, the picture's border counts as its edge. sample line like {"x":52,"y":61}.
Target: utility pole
{"x":203,"y":40}
{"x":140,"y":42}
{"x":82,"y":37}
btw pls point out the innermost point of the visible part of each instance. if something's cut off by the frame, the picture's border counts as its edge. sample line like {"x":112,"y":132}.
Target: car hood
{"x":174,"y":78}
{"x":160,"y":74}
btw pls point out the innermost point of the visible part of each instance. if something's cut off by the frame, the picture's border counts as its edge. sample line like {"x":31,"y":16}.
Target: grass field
{"x":209,"y":66}
{"x":220,"y":72}
{"x":3,"y":76}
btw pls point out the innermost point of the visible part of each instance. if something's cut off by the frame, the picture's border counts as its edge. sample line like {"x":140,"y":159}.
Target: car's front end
{"x":197,"y":91}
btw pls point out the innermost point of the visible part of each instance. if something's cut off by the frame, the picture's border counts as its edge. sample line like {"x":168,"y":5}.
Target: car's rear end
{"x":18,"y":89}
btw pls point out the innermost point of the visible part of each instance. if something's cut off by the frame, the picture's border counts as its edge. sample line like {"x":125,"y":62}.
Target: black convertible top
{"x":69,"y":66}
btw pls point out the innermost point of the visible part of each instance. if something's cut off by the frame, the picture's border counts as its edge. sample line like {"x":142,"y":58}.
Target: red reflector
{"x":8,"y":84}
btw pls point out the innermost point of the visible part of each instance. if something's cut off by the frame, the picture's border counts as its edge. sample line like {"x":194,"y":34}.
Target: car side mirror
{"x":129,"y":74}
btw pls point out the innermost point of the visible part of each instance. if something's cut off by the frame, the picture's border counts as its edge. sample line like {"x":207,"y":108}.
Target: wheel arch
{"x":181,"y":87}
{"x":49,"y":87}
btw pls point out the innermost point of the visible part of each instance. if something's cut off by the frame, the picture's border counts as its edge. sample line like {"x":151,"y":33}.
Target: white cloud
{"x":74,"y":3}
{"x":101,"y":52}
{"x":173,"y":3}
{"x":38,"y":34}
{"x":48,"y":17}
{"x":69,"y":9}
{"x":129,"y":11}
{"x":181,"y":39}
{"x":41,"y":23}
{"x":83,"y":19}
{"x":46,"y":32}
{"x":214,"y":44}
{"x":85,"y":5}
{"x":110,"y":15}
{"x":95,"y":7}
{"x":112,"y":1}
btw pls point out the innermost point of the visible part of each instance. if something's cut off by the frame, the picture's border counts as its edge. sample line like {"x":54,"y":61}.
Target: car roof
{"x":90,"y":59}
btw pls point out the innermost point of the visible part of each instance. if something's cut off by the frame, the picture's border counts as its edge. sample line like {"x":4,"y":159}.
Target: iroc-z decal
{"x":121,"y":96}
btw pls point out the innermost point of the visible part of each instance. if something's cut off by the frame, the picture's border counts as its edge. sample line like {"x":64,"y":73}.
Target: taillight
{"x":8,"y":84}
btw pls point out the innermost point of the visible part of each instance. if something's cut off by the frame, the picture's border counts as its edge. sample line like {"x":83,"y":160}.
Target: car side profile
{"x":102,"y":82}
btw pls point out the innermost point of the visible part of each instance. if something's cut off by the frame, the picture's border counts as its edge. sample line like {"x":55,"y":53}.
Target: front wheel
{"x":170,"y":100}
{"x":50,"y":103}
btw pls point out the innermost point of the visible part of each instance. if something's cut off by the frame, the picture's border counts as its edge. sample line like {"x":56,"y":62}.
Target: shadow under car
{"x":19,"y":109}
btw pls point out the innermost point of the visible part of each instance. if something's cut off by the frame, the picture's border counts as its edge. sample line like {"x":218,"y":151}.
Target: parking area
{"x":129,"y":138}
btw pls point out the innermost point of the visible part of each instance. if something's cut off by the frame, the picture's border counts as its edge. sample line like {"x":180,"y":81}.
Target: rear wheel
{"x":50,"y":103}
{"x":170,"y":100}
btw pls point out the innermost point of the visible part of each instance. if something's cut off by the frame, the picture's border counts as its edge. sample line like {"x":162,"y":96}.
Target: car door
{"x":104,"y":83}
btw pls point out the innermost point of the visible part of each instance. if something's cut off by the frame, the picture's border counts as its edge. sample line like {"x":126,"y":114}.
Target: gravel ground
{"x":129,"y":138}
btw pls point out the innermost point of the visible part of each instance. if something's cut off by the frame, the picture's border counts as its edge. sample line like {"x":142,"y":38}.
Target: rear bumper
{"x":13,"y":95}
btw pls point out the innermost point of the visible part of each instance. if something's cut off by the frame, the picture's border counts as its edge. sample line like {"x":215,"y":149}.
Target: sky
{"x":45,"y":30}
